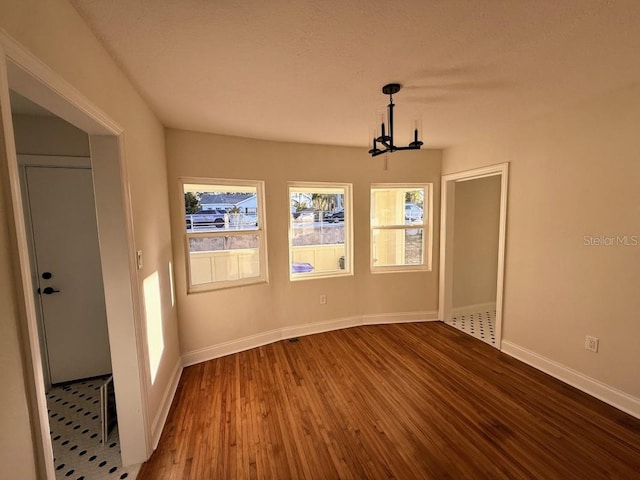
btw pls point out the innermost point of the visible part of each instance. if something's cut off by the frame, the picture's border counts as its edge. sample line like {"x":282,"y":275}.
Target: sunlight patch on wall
{"x":153,"y":313}
{"x":173,"y":291}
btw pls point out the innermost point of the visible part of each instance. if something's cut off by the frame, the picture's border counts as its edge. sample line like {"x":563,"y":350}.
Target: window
{"x":319,"y":230}
{"x":400,"y":227}
{"x":225,"y":233}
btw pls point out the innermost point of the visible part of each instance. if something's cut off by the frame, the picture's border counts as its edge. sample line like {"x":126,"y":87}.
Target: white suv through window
{"x":412,"y":212}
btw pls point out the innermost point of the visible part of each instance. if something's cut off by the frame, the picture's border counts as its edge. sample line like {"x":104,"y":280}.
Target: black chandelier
{"x":387,"y":140}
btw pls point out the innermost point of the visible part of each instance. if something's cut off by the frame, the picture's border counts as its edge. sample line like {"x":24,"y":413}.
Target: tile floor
{"x":480,"y":325}
{"x":75,"y":425}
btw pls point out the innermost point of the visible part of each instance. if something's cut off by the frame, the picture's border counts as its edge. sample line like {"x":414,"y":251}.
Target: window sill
{"x":212,"y":287}
{"x":401,"y":269}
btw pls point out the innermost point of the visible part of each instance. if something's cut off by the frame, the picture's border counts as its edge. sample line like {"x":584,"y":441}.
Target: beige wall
{"x":54,"y":32}
{"x":210,"y":318}
{"x":572,"y":174}
{"x":48,"y":136}
{"x":475,"y":241}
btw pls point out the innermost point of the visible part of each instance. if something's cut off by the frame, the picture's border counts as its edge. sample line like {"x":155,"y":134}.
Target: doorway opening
{"x":472,"y":251}
{"x":28,"y":77}
{"x":61,"y":226}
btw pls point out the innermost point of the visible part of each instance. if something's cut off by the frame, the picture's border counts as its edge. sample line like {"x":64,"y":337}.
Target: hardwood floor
{"x":404,"y":401}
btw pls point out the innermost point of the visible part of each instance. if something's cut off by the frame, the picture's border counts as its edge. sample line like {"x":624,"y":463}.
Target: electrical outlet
{"x":591,"y":344}
{"x":323,"y":299}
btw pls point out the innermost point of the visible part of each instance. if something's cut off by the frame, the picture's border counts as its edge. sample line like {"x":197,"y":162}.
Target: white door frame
{"x":446,"y":239}
{"x":27,"y":75}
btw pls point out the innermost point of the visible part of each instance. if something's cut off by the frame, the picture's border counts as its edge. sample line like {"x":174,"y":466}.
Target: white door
{"x":67,"y":258}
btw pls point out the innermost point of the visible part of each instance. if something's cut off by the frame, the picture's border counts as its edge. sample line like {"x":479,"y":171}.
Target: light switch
{"x":139,"y":259}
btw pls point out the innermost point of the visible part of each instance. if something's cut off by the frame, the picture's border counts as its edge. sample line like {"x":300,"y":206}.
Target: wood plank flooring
{"x":404,"y":401}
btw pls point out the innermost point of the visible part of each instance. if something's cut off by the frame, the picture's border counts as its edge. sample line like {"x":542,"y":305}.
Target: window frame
{"x":347,"y":224}
{"x":427,"y":228}
{"x":260,"y":231}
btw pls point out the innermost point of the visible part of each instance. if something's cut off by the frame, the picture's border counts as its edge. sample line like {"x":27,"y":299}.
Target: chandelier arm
{"x":409,"y":147}
{"x":385,"y":143}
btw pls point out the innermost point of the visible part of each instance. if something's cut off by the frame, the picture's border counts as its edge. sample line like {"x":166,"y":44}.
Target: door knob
{"x":48,"y":291}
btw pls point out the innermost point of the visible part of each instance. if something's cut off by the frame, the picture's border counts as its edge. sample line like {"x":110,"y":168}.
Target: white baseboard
{"x":469,"y":309}
{"x":165,"y":405}
{"x":252,"y":341}
{"x":608,"y":394}
{"x":319,"y":327}
{"x":406,"y":317}
{"x":230,"y":347}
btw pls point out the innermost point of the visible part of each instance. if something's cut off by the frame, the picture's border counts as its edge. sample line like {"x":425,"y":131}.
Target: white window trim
{"x":427,"y":238}
{"x":261,"y":231}
{"x":348,"y":229}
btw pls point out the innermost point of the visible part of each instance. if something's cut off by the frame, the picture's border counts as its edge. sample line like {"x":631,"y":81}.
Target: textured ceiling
{"x":311,"y":71}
